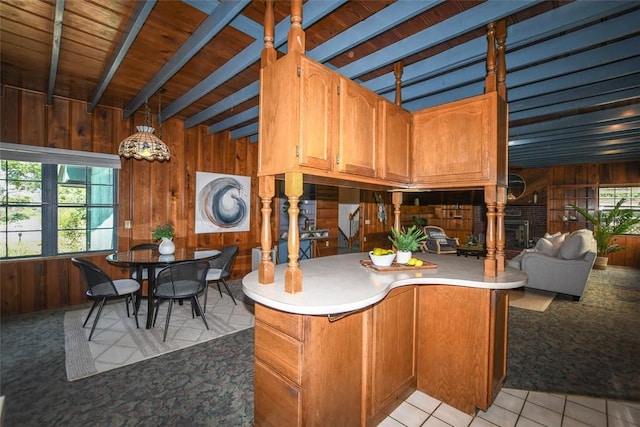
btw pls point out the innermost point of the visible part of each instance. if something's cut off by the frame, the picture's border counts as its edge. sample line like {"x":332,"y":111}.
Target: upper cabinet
{"x":320,"y":123}
{"x":395,"y":140}
{"x":461,"y":144}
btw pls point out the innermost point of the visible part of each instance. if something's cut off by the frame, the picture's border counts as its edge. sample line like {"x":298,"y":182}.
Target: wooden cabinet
{"x":462,"y":349}
{"x":461,"y":144}
{"x":358,"y":130}
{"x":315,"y":121}
{"x":561,"y":216}
{"x":395,"y":142}
{"x":308,"y":370}
{"x":393,"y":350}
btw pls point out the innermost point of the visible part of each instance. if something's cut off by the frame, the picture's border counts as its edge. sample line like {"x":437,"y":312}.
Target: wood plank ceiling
{"x":572,"y":66}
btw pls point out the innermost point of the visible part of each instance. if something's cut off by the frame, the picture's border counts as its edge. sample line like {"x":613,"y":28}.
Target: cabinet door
{"x":318,"y":112}
{"x":395,"y":140}
{"x":393,"y":348}
{"x":358,"y":134}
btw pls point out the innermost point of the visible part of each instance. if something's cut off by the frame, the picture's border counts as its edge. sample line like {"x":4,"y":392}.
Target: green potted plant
{"x":406,"y":241}
{"x":164,"y":233}
{"x":608,"y":224}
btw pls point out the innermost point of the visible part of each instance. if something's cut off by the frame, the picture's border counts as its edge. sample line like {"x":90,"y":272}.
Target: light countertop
{"x":339,"y":284}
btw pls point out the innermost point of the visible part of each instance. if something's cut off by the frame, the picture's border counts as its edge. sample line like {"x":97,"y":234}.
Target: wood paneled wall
{"x":150,"y":193}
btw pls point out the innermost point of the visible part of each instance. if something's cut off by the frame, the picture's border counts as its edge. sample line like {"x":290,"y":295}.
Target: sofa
{"x":437,"y":241}
{"x":559,"y":262}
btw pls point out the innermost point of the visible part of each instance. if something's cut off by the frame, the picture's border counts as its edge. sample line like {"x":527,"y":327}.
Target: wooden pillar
{"x":266,"y":190}
{"x":296,"y":37}
{"x":490,"y":198}
{"x":490,"y":79}
{"x":501,"y":34}
{"x":293,"y":189}
{"x":397,"y":72}
{"x":396,"y":199}
{"x":268,"y":55}
{"x":500,"y":236}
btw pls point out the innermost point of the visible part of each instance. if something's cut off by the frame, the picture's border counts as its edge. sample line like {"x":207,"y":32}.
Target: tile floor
{"x":518,"y":408}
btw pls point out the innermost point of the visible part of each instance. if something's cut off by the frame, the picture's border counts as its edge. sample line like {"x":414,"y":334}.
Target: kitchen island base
{"x":447,"y":341}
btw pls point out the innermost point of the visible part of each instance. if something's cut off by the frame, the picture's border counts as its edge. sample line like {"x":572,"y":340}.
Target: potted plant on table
{"x":608,"y":224}
{"x":406,"y":241}
{"x":164,"y":233}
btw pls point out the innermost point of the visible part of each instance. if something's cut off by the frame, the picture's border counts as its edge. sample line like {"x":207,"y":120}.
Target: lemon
{"x":412,"y":261}
{"x":419,"y":263}
{"x":377,"y":252}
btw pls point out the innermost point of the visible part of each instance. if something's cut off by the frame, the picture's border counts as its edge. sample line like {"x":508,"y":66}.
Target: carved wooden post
{"x":266,"y":190}
{"x":296,"y":37}
{"x":500,"y":236}
{"x":293,"y":274}
{"x":490,"y":260}
{"x":490,"y":80}
{"x":397,"y":72}
{"x":501,"y":33}
{"x":268,"y":55}
{"x":396,"y":199}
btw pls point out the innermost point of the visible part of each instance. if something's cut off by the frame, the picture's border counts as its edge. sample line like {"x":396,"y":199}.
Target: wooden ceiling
{"x":573,"y":68}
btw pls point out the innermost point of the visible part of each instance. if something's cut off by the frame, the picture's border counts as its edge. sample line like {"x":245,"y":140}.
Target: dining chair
{"x":100,"y":288}
{"x":179,"y":282}
{"x":220,"y":270}
{"x":138,"y":273}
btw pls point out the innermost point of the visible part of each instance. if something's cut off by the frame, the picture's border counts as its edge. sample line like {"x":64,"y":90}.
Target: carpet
{"x":530,"y":299}
{"x":117,"y":342}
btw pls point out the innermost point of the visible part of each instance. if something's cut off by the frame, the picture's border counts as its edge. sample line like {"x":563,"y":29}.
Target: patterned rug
{"x":117,"y":342}
{"x":531,"y":299}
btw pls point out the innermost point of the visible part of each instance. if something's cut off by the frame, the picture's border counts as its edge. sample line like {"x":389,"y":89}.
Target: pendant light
{"x":144,"y":144}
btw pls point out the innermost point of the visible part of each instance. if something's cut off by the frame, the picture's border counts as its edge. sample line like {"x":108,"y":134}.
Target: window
{"x":50,"y":209}
{"x":608,"y":197}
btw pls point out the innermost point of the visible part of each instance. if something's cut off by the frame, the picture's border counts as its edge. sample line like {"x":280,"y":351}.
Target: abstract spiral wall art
{"x":222,"y":203}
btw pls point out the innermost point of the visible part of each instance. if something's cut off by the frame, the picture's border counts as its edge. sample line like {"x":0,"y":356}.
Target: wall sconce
{"x":535,"y":197}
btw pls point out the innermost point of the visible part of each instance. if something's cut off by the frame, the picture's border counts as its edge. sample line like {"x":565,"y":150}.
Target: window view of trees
{"x":608,"y":197}
{"x":48,"y":210}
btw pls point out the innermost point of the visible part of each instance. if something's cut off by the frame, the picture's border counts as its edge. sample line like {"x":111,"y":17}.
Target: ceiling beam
{"x":200,"y":37}
{"x":313,"y":10}
{"x":140,"y":13}
{"x":55,"y":48}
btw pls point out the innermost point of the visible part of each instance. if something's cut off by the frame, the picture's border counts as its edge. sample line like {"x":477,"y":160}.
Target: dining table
{"x":153,"y":261}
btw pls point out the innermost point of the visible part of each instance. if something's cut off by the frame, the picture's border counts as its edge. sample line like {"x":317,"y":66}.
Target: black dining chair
{"x":179,"y":282}
{"x":139,"y":273}
{"x":100,"y":288}
{"x":220,"y":270}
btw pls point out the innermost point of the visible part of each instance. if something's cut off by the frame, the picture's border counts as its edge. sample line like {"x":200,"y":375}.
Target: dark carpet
{"x":589,"y":347}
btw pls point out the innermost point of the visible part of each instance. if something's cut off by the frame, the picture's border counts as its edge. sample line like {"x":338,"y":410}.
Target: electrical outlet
{"x":367,"y":221}
{"x":127,"y":224}
{"x":326,"y":243}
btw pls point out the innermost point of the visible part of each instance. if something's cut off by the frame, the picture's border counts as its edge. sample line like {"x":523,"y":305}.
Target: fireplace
{"x":516,"y":233}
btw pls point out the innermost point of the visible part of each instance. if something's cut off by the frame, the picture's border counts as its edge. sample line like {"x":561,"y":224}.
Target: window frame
{"x":634,"y":190}
{"x":50,"y":160}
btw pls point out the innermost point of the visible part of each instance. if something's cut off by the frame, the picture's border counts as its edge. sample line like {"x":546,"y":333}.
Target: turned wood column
{"x":500,"y":236}
{"x":396,"y":199}
{"x":268,"y":55}
{"x":293,"y":189}
{"x":296,"y":37}
{"x":490,"y":268}
{"x":266,"y":190}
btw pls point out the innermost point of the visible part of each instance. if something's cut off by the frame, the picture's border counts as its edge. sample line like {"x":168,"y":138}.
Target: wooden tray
{"x":397,"y":267}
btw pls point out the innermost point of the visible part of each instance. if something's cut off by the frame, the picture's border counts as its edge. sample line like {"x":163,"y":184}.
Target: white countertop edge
{"x":321,"y":294}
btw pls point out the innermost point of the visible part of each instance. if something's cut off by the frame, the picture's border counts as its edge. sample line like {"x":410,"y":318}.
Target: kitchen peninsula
{"x":358,"y":341}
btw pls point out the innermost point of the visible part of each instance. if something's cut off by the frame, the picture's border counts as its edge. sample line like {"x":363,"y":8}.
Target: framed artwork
{"x":222,"y":203}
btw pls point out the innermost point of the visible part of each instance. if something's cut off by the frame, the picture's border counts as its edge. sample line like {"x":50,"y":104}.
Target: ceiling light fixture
{"x":144,"y":144}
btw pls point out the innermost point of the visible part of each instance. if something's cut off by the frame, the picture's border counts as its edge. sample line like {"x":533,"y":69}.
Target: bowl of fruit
{"x":382,"y":257}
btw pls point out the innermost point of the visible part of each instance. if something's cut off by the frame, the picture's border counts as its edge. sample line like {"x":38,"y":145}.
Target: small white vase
{"x":403,"y":257}
{"x":167,"y":247}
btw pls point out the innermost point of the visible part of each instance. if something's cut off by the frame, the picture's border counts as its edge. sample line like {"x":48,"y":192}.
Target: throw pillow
{"x":546,"y":247}
{"x":576,"y":245}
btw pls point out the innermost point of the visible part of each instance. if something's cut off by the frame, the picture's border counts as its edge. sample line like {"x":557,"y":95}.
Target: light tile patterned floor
{"x":518,"y":408}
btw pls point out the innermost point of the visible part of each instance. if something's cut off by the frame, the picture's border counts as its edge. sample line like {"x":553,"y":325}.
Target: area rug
{"x":530,"y":299}
{"x":117,"y":342}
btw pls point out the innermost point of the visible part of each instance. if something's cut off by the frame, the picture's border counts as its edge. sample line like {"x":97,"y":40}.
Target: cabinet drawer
{"x":277,"y":402}
{"x":290,"y":324}
{"x":279,"y":351}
